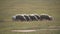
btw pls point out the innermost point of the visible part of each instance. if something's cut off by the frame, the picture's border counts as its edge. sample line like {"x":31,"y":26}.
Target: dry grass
{"x":8,"y":8}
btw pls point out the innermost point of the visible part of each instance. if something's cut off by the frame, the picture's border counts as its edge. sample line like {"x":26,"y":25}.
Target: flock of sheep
{"x":31,"y":17}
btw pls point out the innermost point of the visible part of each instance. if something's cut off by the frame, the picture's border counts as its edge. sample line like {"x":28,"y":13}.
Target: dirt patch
{"x":31,"y":30}
{"x":49,"y":28}
{"x":23,"y":30}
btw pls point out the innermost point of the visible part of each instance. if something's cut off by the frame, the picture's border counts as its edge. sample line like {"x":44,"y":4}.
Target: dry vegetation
{"x":8,"y":8}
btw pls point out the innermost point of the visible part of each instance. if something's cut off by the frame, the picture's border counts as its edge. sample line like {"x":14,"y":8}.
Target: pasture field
{"x":8,"y":8}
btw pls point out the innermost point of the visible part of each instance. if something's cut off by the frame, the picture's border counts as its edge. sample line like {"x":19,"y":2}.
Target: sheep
{"x":27,"y":17}
{"x":33,"y":17}
{"x":45,"y":16}
{"x":38,"y":16}
{"x":19,"y":17}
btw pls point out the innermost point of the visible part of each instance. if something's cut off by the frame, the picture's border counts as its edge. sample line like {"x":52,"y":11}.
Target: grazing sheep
{"x":19,"y":17}
{"x":27,"y":17}
{"x":45,"y":16}
{"x":38,"y":16}
{"x":33,"y":17}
